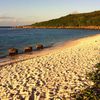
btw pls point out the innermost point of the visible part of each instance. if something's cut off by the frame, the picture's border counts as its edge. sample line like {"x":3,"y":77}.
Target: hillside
{"x":78,"y":20}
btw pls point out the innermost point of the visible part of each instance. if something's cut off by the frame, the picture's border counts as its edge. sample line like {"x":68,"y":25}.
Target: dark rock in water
{"x":28,"y":49}
{"x":13,"y":51}
{"x":39,"y":46}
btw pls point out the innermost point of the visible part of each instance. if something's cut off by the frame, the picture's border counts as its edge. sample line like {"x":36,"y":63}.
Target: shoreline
{"x":55,"y":48}
{"x":60,"y":27}
{"x":25,"y":56}
{"x":53,"y":74}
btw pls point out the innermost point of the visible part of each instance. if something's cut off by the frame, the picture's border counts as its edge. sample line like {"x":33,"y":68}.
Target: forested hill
{"x":82,"y":19}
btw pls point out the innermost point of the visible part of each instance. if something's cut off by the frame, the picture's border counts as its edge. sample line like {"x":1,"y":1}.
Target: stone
{"x":12,"y":51}
{"x":39,"y":46}
{"x":28,"y":49}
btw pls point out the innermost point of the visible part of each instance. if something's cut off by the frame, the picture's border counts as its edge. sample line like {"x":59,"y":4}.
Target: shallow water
{"x":21,"y":38}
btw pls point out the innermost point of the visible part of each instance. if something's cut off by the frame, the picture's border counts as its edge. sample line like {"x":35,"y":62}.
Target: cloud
{"x":6,"y":18}
{"x":13,"y":21}
{"x":75,"y":12}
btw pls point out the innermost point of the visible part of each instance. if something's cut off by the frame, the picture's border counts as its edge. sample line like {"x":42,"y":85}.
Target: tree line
{"x":82,"y":19}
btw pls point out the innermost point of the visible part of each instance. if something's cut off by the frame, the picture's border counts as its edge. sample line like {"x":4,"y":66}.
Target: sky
{"x":26,"y":12}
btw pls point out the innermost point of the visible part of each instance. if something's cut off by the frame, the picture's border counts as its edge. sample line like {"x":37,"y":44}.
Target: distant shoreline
{"x":53,"y":27}
{"x":7,"y":26}
{"x":60,"y":27}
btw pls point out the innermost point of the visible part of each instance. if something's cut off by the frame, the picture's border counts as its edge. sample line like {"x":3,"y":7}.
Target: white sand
{"x":54,"y":75}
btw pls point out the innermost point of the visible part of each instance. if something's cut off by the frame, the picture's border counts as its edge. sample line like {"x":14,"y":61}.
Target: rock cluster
{"x":14,"y":51}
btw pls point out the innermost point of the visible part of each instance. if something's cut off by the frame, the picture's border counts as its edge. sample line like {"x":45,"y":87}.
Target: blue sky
{"x":21,"y":12}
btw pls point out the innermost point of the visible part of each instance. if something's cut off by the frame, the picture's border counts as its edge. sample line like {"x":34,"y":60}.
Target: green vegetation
{"x":83,"y":19}
{"x":91,"y":93}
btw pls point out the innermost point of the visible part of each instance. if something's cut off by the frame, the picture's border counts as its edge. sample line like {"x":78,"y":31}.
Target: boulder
{"x":28,"y":49}
{"x":39,"y":46}
{"x":13,"y":51}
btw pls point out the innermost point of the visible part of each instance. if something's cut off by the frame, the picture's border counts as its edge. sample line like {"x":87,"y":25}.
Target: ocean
{"x":21,"y":38}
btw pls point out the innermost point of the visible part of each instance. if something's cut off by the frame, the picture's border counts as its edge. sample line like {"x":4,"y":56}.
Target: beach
{"x":51,"y":74}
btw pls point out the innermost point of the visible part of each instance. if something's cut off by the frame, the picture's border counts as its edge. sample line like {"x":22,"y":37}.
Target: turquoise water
{"x":21,"y":38}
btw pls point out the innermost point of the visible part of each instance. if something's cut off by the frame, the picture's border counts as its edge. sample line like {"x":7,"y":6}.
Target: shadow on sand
{"x":91,"y":93}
